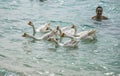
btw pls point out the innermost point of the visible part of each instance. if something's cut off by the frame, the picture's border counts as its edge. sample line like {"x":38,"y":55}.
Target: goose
{"x":44,"y":37}
{"x":50,"y":34}
{"x":84,"y":35}
{"x":69,"y":32}
{"x":72,"y":31}
{"x":43,"y":29}
{"x":89,"y":35}
{"x":71,"y":43}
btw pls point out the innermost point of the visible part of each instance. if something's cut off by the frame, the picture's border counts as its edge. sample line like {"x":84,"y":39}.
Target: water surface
{"x":21,"y":57}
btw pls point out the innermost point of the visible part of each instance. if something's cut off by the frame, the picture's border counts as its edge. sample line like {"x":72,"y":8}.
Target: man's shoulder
{"x":94,"y":17}
{"x":104,"y":17}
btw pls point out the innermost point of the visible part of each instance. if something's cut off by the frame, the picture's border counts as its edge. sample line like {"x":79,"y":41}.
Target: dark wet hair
{"x":99,"y":7}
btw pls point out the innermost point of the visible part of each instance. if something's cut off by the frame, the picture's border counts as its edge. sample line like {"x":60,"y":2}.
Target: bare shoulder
{"x":104,"y":17}
{"x":94,"y":17}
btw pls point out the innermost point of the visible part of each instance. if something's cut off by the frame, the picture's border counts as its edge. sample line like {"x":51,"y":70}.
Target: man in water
{"x":99,"y":15}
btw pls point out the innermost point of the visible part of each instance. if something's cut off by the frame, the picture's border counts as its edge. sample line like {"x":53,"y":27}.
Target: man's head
{"x":99,"y":10}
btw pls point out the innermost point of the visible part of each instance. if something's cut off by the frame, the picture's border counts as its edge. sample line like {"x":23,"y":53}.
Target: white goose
{"x":84,"y":35}
{"x":87,"y":35}
{"x":70,"y":32}
{"x":43,"y":29}
{"x":72,"y":43}
{"x":50,"y":34}
{"x":45,"y":36}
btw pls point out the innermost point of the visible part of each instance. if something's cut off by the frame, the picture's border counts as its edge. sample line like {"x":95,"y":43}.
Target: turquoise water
{"x":21,"y":57}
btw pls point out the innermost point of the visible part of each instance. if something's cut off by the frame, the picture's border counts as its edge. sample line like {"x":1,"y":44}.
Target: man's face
{"x":99,"y":11}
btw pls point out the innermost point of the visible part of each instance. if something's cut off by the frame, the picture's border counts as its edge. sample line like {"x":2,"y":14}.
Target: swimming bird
{"x":84,"y":35}
{"x":68,"y":31}
{"x":71,"y":43}
{"x":43,"y":29}
{"x":87,"y":35}
{"x":50,"y":34}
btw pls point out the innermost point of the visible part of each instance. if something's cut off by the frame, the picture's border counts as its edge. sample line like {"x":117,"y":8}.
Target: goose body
{"x":84,"y":35}
{"x":68,"y":31}
{"x":44,"y":28}
{"x":50,"y":34}
{"x":71,"y":43}
{"x":45,"y":36}
{"x":91,"y":34}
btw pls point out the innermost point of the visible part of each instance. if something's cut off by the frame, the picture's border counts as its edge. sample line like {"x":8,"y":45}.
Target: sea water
{"x":21,"y":57}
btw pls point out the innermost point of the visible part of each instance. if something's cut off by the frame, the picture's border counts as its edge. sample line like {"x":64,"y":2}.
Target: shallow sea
{"x":21,"y":57}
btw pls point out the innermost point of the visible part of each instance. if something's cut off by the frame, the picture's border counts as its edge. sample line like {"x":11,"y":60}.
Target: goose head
{"x":49,"y":39}
{"x":63,"y":35}
{"x":30,"y":23}
{"x":47,"y":26}
{"x":27,"y":35}
{"x":73,"y":26}
{"x":57,"y":27}
{"x":24,"y":35}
